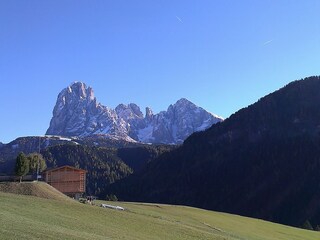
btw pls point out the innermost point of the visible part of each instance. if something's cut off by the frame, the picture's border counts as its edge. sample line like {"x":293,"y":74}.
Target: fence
{"x":16,"y":178}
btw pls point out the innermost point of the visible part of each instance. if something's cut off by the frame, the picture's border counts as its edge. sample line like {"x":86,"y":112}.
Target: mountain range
{"x":263,"y":162}
{"x":77,"y":113}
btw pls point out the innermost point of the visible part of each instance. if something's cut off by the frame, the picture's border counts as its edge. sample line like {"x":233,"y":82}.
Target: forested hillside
{"x":104,"y":165}
{"x":263,"y":162}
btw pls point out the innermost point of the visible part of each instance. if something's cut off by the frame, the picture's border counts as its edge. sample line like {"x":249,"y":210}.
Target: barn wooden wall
{"x":67,"y":180}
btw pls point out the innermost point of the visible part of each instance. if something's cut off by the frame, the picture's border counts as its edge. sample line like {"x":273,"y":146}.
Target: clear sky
{"x":220,"y":54}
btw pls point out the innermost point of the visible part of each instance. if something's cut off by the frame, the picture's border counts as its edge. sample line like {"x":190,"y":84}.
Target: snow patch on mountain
{"x":145,"y":134}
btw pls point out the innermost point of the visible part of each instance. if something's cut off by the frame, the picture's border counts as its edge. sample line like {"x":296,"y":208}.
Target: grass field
{"x":29,"y":217}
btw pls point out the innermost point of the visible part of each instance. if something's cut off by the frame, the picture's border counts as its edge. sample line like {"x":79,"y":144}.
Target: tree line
{"x":31,"y":163}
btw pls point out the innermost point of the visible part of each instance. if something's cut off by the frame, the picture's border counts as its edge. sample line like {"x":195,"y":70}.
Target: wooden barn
{"x":68,"y":180}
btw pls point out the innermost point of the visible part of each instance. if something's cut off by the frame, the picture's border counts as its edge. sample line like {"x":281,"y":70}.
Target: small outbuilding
{"x":68,"y":180}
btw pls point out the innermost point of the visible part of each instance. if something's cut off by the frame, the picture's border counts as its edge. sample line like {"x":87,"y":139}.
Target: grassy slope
{"x":38,"y":189}
{"x":28,"y":217}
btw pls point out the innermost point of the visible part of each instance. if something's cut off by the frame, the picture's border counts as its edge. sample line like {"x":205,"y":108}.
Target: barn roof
{"x":65,"y":166}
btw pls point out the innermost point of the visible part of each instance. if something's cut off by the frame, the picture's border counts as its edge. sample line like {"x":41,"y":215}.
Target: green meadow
{"x":29,"y":217}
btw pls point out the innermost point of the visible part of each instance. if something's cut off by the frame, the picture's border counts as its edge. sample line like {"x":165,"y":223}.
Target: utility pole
{"x":38,"y":162}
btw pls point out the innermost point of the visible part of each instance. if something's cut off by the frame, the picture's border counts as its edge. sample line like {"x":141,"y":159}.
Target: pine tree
{"x":111,"y":197}
{"x":36,"y":161}
{"x":22,"y":165}
{"x":307,"y":225}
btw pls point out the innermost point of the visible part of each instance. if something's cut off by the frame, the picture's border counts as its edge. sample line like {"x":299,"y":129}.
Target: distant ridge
{"x":77,"y":113}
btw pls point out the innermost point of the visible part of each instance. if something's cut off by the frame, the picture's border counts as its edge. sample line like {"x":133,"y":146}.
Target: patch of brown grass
{"x":38,"y":189}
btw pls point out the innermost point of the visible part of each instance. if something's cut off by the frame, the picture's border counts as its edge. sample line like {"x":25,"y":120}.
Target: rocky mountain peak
{"x":183,"y":105}
{"x":130,"y":111}
{"x":74,"y":108}
{"x":183,"y":102}
{"x":79,"y":90}
{"x":77,"y":113}
{"x":149,"y":113}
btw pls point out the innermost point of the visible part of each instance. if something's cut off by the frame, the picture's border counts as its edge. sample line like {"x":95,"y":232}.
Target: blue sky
{"x":222,"y":55}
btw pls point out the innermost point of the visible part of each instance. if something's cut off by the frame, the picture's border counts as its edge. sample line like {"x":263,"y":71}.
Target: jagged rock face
{"x":128,"y":112}
{"x":149,"y":114}
{"x":77,"y":113}
{"x":74,"y":106}
{"x":177,"y":123}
